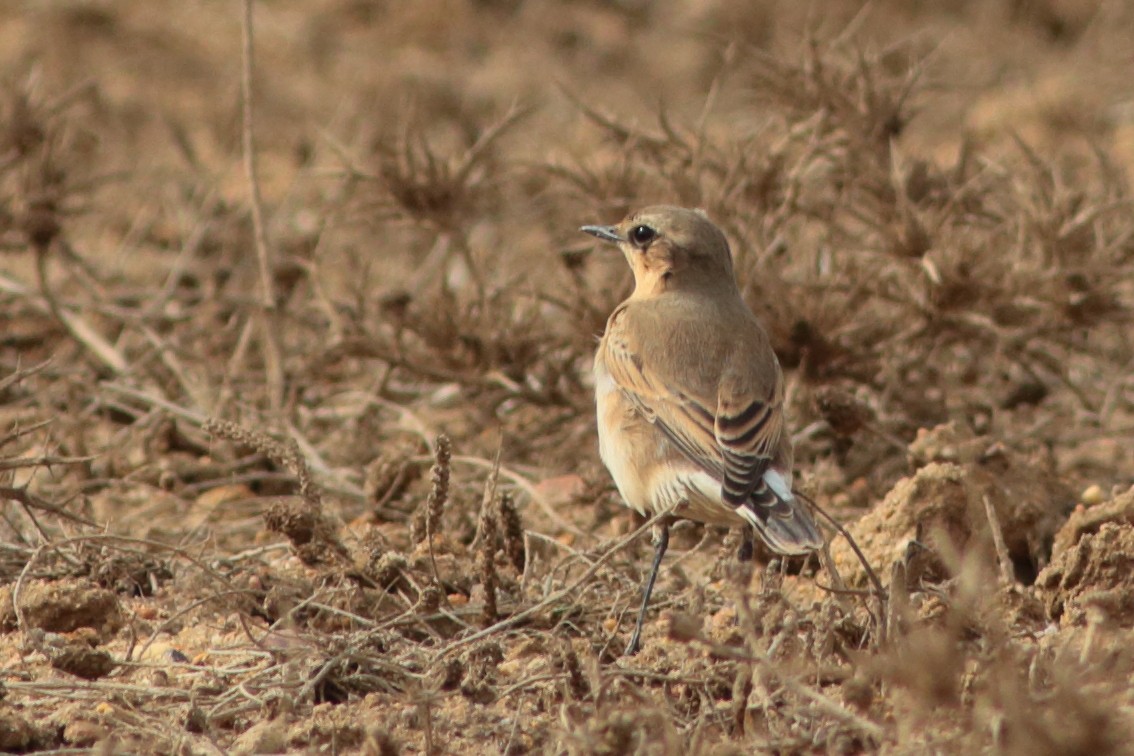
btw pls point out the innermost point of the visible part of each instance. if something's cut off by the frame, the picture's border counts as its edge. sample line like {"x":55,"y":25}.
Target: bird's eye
{"x":640,"y":236}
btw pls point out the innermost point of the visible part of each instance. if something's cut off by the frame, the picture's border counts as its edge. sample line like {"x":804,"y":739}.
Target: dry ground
{"x":231,"y":525}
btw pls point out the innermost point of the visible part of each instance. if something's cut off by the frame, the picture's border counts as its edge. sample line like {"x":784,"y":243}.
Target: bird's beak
{"x":606,"y":233}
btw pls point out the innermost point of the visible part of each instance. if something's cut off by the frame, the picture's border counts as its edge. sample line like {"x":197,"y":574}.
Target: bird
{"x":689,"y":393}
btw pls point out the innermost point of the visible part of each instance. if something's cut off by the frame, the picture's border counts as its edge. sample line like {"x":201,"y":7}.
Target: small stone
{"x":683,"y":628}
{"x":68,"y":604}
{"x":83,"y":733}
{"x":265,"y":737}
{"x":195,"y":720}
{"x":81,"y":660}
{"x":16,"y":733}
{"x":221,"y":495}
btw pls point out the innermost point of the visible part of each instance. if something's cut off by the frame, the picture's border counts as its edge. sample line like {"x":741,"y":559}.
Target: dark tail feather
{"x":784,"y":523}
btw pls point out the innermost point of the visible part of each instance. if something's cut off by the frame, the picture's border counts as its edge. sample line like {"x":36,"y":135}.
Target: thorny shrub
{"x":444,"y":276}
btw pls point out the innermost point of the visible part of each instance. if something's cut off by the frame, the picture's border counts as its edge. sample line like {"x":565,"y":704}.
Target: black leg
{"x":747,"y":547}
{"x":659,"y":551}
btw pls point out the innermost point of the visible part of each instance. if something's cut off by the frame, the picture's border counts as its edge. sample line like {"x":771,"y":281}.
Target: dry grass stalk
{"x":993,"y":290}
{"x":388,"y":476}
{"x":741,"y":690}
{"x":268,"y":315}
{"x":1003,"y":559}
{"x":568,"y":660}
{"x":877,"y":590}
{"x":302,"y":520}
{"x":286,"y":455}
{"x":443,"y":190}
{"x":429,"y":523}
{"x":486,"y":538}
{"x":29,"y":500}
{"x":513,"y":531}
{"x":379,"y":742}
{"x":37,"y":198}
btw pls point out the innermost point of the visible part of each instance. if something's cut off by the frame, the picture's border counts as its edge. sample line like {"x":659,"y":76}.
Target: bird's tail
{"x":782,"y":521}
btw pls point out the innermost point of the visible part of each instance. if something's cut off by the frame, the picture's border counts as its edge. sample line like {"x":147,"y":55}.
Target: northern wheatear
{"x":690,"y":394}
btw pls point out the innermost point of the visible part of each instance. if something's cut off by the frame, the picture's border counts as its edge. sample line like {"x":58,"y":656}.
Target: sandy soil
{"x":316,"y":472}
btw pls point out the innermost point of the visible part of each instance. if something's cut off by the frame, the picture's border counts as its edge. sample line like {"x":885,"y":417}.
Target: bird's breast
{"x":620,"y":439}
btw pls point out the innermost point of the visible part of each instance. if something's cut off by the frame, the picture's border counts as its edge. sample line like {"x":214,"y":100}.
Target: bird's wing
{"x":749,"y":421}
{"x":730,"y":430}
{"x":733,"y":430}
{"x":686,"y":421}
{"x":749,"y":428}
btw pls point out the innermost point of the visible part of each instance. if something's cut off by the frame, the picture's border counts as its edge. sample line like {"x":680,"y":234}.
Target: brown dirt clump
{"x":17,"y":734}
{"x":1095,"y":575}
{"x":297,"y":445}
{"x":939,"y":517}
{"x":79,"y":659}
{"x":1088,"y":519}
{"x":62,"y":606}
{"x":1091,"y":575}
{"x":930,"y":507}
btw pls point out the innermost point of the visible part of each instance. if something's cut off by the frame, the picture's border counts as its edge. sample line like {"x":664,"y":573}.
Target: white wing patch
{"x":779,"y":486}
{"x":693,"y":493}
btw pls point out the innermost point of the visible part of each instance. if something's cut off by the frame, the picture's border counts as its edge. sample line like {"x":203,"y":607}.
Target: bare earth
{"x":318,"y":473}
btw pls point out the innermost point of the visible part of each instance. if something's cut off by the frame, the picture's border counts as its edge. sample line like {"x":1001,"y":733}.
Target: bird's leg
{"x":747,"y":546}
{"x":661,"y":544}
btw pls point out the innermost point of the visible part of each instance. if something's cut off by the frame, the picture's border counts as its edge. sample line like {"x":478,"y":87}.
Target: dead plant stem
{"x":269,"y":324}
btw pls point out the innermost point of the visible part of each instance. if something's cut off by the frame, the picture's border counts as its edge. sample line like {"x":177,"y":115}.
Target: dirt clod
{"x":64,"y":605}
{"x":17,"y":734}
{"x":81,"y":660}
{"x":83,"y":733}
{"x":1085,"y":520}
{"x":262,"y":738}
{"x":940,"y":508}
{"x":297,"y":420}
{"x":1097,"y":573}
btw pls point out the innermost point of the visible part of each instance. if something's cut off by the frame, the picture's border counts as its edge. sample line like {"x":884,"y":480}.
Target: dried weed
{"x":425,"y":276}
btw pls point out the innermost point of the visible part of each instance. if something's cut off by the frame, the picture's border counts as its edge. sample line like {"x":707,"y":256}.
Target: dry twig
{"x":486,"y":538}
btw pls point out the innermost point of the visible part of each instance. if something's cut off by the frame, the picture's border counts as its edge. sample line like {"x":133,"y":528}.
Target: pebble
{"x":1092,"y":495}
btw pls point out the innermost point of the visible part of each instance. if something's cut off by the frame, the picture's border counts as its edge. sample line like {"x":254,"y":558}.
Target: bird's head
{"x":669,"y":249}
